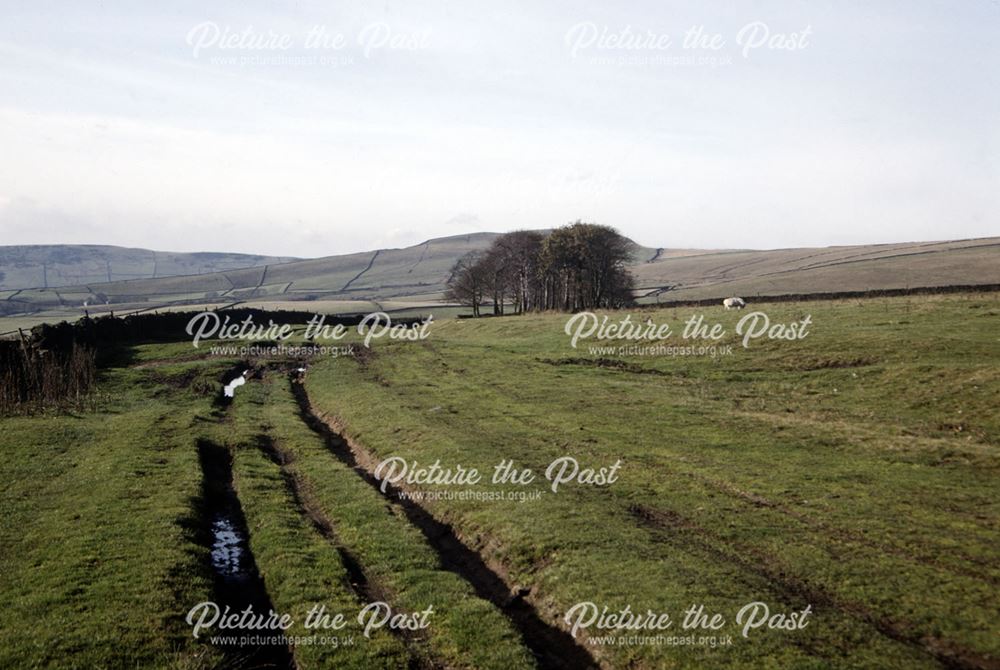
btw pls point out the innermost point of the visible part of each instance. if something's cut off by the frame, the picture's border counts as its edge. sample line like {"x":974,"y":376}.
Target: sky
{"x":318,"y":128}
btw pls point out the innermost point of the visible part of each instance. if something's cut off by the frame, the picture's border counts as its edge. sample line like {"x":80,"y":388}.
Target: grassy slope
{"x":399,"y":565}
{"x":421,"y":264}
{"x":31,"y":266}
{"x":98,"y":562}
{"x":415,"y":276}
{"x":697,"y":274}
{"x":855,"y":470}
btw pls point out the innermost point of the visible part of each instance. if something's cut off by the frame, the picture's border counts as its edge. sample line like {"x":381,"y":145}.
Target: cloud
{"x":116,"y":133}
{"x":465,"y":222}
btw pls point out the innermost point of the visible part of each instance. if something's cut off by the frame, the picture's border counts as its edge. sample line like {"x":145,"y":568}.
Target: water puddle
{"x":228,"y":549}
{"x":238,"y":583}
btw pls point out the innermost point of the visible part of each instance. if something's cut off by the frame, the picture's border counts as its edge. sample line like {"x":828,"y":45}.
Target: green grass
{"x":101,"y":546}
{"x":854,"y":470}
{"x":96,"y":533}
{"x":299,"y":566}
{"x":868,"y":490}
{"x":402,"y":568}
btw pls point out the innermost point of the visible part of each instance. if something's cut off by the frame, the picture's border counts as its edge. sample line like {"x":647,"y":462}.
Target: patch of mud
{"x":191,"y":379}
{"x":836,"y":363}
{"x":238,"y":583}
{"x":365,"y":357}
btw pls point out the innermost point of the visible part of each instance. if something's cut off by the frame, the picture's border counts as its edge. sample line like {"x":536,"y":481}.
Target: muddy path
{"x":237,"y":581}
{"x":552,"y":647}
{"x":365,"y":589}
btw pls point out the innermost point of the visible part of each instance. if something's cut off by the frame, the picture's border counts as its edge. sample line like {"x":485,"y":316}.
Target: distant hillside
{"x":697,"y":274}
{"x":56,"y":265}
{"x":419,"y":272}
{"x":415,"y":277}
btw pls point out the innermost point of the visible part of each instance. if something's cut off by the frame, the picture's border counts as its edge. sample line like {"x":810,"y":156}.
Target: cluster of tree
{"x":576,"y":267}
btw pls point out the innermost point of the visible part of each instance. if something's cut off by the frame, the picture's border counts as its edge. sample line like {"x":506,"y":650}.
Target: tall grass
{"x":32,"y":378}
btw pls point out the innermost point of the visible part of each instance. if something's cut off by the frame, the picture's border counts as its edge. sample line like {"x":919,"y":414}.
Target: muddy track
{"x":674,"y":528}
{"x":552,"y":647}
{"x":238,"y":583}
{"x":366,"y":590}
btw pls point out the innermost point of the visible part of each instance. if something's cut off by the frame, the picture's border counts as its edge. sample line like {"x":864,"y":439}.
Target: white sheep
{"x":734,"y":303}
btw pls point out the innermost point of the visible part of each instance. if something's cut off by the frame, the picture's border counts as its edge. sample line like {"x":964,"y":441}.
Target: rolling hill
{"x":415,"y":277}
{"x":698,"y":274}
{"x":57,"y":265}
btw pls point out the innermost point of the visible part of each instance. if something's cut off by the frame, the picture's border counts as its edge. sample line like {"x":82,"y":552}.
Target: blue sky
{"x":850,"y":122}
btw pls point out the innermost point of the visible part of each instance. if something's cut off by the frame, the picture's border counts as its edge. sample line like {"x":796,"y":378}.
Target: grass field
{"x":853,"y":471}
{"x":98,"y":537}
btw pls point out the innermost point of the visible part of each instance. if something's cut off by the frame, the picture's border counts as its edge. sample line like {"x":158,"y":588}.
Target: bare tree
{"x":467,"y":283}
{"x":578,"y":266}
{"x":519,"y":254}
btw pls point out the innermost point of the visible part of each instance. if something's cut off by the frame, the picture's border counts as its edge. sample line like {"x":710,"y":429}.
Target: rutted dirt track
{"x":553,"y":647}
{"x":364,"y":588}
{"x":238,"y":583}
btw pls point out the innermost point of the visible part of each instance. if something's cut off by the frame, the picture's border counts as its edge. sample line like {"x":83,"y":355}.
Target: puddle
{"x":238,"y":583}
{"x":228,"y":549}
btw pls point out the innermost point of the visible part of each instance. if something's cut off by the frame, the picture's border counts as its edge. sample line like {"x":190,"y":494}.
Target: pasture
{"x":852,"y":472}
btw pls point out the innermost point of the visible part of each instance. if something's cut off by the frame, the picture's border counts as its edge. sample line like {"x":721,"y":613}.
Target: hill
{"x":416,"y":273}
{"x":57,"y":265}
{"x":699,"y":274}
{"x":415,"y":277}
